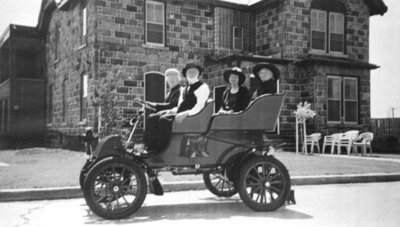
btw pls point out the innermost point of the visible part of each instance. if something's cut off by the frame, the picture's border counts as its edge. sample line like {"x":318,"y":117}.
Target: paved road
{"x":373,"y":204}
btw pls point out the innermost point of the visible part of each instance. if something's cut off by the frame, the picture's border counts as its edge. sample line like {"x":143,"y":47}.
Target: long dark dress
{"x":236,"y":102}
{"x":171,"y":100}
{"x":266,"y":87}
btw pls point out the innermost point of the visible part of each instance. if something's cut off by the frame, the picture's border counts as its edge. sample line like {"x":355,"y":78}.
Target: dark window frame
{"x":50,"y":104}
{"x":146,"y":36}
{"x":342,"y":99}
{"x":330,"y":7}
{"x":57,"y":41}
{"x":64,"y":100}
{"x":234,"y":38}
{"x":83,"y":23}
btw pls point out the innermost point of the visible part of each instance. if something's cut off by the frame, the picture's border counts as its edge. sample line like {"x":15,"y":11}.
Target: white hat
{"x":173,"y":71}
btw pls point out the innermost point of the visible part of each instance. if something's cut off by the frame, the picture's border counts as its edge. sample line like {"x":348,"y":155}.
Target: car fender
{"x":109,"y":146}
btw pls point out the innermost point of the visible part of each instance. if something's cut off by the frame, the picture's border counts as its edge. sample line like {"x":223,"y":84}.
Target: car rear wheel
{"x":219,"y":184}
{"x":263,"y":183}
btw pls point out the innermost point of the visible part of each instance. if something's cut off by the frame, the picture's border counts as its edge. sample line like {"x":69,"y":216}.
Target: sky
{"x":384,"y":48}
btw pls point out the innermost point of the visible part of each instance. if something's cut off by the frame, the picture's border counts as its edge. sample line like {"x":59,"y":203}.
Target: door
{"x":218,"y":92}
{"x":154,"y":89}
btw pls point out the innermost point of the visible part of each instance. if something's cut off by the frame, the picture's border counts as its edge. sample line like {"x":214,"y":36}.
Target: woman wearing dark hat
{"x":267,"y":75}
{"x":237,"y":97}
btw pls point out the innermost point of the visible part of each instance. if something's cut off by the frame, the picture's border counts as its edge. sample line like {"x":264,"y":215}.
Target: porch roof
{"x":251,"y":58}
{"x":343,"y":62}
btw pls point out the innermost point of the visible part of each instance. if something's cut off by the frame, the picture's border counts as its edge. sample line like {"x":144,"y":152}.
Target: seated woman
{"x":236,"y":97}
{"x":267,"y":76}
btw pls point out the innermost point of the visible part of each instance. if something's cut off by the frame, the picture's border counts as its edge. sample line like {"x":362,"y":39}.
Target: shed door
{"x":154,"y":89}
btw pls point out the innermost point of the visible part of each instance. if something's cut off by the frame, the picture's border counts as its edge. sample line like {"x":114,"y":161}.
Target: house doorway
{"x":218,"y":92}
{"x":154,"y":89}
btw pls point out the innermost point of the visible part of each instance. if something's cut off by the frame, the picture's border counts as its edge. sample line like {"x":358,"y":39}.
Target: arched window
{"x":328,"y":26}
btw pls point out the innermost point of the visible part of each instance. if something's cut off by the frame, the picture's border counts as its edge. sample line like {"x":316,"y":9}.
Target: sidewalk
{"x":40,"y":173}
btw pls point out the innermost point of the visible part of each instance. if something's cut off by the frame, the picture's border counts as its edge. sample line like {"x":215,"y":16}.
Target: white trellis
{"x":302,"y":113}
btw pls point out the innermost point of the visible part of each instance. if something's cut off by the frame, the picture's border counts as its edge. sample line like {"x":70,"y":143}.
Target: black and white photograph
{"x":199,"y":113}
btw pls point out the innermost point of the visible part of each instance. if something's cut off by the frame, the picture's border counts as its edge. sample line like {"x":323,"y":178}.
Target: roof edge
{"x":376,"y":7}
{"x":336,"y":61}
{"x":253,"y":58}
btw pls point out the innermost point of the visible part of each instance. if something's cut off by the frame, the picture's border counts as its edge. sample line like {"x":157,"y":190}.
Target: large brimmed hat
{"x":191,"y":65}
{"x":236,"y":71}
{"x":274,"y":70}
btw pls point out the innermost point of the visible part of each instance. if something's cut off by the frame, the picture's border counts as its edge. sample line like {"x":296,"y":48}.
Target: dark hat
{"x":191,"y":65}
{"x":274,"y":70}
{"x":236,"y":71}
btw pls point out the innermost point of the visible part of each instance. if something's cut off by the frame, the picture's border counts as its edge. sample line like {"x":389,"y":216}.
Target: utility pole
{"x":392,"y":108}
{"x":392,"y":125}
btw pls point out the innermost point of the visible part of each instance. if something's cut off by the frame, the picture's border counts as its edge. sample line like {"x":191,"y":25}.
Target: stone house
{"x":22,"y":86}
{"x":320,"y":47}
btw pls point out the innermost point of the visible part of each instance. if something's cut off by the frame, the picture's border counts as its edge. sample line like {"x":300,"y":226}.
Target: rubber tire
{"x":82,"y":175}
{"x":279,"y":167}
{"x":103,"y":165}
{"x":211,"y":187}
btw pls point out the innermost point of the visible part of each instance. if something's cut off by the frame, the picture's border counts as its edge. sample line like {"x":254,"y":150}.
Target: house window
{"x":64,"y":100}
{"x":50,"y":104}
{"x":328,"y":26}
{"x":4,"y":116}
{"x":155,"y":25}
{"x":84,"y":96}
{"x":237,"y":38}
{"x":83,"y":25}
{"x":336,"y":32}
{"x":57,"y":42}
{"x":1,"y":116}
{"x":342,"y":99}
{"x":318,"y":30}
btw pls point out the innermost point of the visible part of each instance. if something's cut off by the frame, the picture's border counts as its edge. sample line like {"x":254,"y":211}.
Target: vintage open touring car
{"x":228,"y":150}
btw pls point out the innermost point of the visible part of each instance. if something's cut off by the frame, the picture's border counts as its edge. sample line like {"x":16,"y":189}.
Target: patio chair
{"x":364,"y":141}
{"x":330,"y":140}
{"x":312,"y":140}
{"x":346,"y":140}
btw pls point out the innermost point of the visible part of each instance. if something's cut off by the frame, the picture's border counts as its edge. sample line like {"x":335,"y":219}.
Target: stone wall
{"x":313,"y":80}
{"x":120,"y":28}
{"x":295,"y":24}
{"x":75,"y":59}
{"x":269,"y":29}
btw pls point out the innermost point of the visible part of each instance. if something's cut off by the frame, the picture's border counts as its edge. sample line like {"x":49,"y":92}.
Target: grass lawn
{"x":44,"y":167}
{"x":40,"y":168}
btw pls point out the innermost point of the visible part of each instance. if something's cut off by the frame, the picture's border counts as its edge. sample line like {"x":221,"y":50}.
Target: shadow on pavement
{"x":198,"y":211}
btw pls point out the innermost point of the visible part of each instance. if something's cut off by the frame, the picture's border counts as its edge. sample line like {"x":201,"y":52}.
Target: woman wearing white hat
{"x":173,"y":77}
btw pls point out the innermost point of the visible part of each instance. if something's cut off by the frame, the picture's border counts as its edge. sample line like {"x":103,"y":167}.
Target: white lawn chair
{"x":312,"y":140}
{"x":330,"y":140}
{"x":364,"y":141}
{"x":346,"y":140}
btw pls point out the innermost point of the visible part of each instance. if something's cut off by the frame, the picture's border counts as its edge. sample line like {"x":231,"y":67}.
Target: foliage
{"x":107,"y":99}
{"x":304,"y":112}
